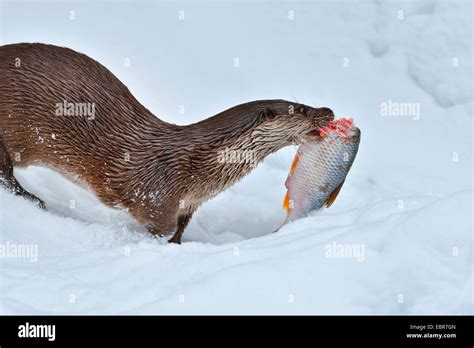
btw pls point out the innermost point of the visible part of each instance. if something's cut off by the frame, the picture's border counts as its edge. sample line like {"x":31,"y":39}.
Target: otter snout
{"x":322,"y":116}
{"x":319,"y":118}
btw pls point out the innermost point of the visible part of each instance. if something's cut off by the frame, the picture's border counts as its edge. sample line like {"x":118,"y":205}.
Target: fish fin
{"x":332,"y":197}
{"x":286,"y":202}
{"x":295,"y":162}
{"x":292,"y":168}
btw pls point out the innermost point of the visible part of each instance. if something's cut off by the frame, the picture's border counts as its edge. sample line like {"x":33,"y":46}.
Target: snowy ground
{"x":406,"y":204}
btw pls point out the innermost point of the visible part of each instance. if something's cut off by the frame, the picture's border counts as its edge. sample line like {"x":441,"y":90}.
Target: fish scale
{"x":320,"y":168}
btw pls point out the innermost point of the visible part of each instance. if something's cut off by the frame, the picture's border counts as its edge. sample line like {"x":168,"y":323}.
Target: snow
{"x":407,"y":202}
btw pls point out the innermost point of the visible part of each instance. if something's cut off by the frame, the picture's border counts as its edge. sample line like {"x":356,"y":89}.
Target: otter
{"x":63,"y":110}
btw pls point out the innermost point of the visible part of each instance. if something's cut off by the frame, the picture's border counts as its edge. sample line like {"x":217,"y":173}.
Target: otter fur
{"x":159,"y":172}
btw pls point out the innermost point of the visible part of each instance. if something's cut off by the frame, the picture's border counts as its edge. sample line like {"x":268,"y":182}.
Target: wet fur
{"x":160,"y":172}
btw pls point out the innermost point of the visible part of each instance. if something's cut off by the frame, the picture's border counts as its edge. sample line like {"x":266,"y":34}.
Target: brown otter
{"x":64,"y":110}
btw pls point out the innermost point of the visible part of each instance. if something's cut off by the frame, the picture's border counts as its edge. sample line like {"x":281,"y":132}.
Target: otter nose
{"x":326,"y":114}
{"x":321,"y":116}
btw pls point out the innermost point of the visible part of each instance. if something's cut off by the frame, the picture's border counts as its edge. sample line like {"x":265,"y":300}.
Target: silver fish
{"x":320,"y":168}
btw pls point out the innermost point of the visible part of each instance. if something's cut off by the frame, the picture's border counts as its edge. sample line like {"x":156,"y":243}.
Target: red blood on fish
{"x":341,"y":126}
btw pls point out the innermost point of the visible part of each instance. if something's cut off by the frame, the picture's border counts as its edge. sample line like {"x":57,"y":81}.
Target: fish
{"x":319,"y":169}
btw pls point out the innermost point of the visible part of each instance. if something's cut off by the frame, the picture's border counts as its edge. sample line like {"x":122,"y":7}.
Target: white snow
{"x":407,"y":202}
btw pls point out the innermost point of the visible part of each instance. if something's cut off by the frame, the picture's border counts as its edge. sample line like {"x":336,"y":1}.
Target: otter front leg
{"x":163,"y":228}
{"x":183,"y":221}
{"x":177,"y":225}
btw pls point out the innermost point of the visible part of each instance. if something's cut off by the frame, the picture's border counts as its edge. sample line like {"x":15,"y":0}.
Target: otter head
{"x":229,"y":145}
{"x":285,"y":123}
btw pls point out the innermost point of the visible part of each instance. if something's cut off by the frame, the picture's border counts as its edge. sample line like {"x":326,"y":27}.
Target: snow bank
{"x":437,"y":45}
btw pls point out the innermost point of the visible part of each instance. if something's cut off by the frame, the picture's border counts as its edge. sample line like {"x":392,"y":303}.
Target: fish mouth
{"x":354,"y":134}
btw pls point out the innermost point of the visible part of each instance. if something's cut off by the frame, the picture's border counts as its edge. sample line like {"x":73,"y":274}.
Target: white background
{"x":407,"y":199}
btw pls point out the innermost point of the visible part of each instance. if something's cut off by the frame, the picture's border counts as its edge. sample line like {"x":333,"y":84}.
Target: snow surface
{"x":407,"y":200}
